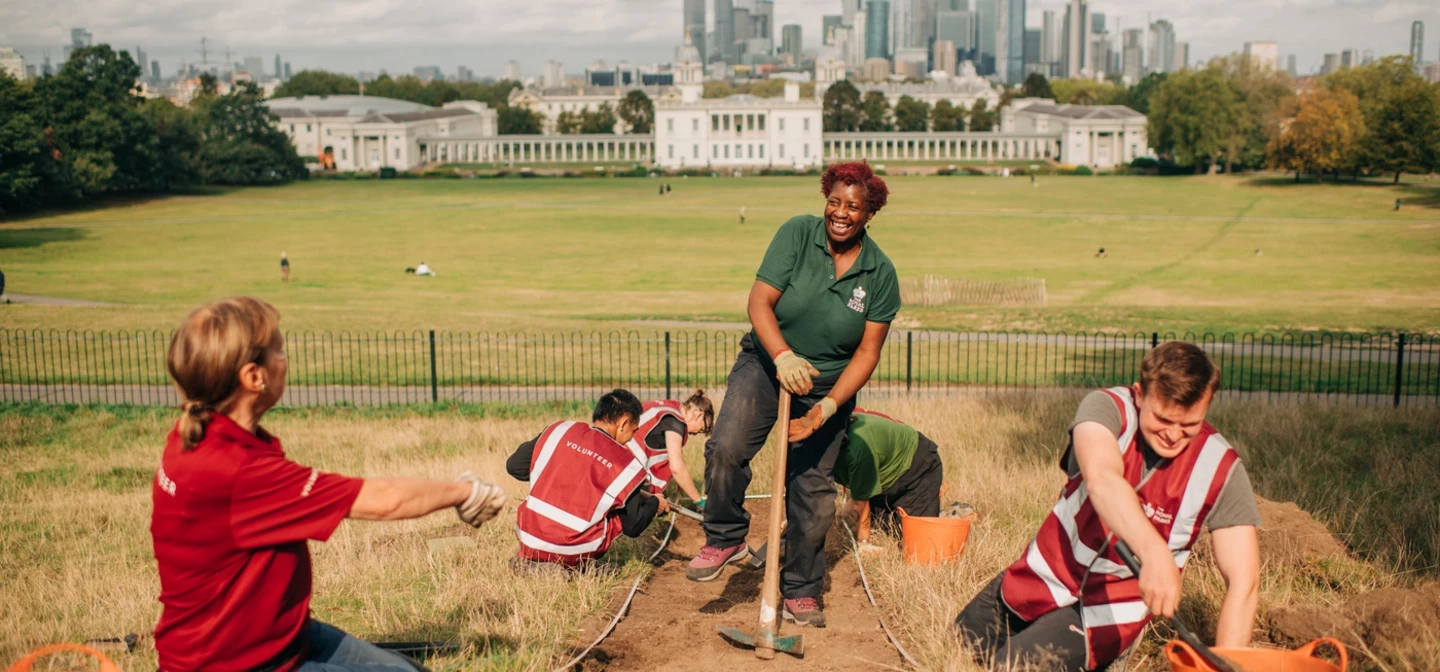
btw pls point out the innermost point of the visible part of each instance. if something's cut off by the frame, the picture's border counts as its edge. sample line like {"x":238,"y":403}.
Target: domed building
{"x":370,"y":133}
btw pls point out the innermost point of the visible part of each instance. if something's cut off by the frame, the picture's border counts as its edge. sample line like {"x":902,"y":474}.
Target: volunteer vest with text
{"x":579,"y":477}
{"x":1176,"y":497}
{"x":657,"y":462}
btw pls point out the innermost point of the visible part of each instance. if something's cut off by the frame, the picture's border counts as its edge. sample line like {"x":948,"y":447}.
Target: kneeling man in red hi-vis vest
{"x":1144,"y":468}
{"x":585,"y":485}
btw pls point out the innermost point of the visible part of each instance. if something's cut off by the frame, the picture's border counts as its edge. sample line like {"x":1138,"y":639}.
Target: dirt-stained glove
{"x":801,"y":428}
{"x":794,"y":373}
{"x":486,"y":500}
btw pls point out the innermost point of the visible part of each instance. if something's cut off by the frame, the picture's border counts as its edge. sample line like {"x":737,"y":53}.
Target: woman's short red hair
{"x":859,"y":174}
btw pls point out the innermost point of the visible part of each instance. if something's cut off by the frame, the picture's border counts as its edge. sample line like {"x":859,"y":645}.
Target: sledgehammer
{"x":767,"y":640}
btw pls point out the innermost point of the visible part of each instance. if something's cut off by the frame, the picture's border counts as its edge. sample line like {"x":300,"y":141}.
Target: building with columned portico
{"x":370,"y":133}
{"x":1099,"y":136}
{"x":738,"y":131}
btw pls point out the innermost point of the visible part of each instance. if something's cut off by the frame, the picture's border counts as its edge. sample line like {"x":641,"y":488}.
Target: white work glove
{"x":794,"y":373}
{"x":486,"y":500}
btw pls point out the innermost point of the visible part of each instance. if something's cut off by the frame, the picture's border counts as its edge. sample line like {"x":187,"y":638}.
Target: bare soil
{"x":672,"y":622}
{"x":1384,"y":621}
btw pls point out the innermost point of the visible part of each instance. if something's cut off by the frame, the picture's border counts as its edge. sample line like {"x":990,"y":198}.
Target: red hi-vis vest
{"x":579,"y":477}
{"x":657,"y":462}
{"x":1177,"y":497}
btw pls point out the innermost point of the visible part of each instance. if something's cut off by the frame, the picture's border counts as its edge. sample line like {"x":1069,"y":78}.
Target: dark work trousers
{"x":752,"y":399}
{"x":1001,"y":639}
{"x":917,"y":491}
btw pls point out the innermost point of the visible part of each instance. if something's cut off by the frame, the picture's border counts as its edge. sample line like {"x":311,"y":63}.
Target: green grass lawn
{"x":600,"y":253}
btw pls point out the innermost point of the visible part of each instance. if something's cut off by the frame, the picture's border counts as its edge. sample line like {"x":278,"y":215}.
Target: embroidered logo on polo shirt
{"x":857,"y":300}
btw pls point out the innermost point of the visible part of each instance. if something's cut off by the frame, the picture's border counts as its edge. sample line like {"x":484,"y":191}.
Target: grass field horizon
{"x":601,"y":254}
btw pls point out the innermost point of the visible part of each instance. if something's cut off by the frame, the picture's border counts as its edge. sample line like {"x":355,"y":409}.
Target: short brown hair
{"x":1179,"y":372}
{"x":206,"y":355}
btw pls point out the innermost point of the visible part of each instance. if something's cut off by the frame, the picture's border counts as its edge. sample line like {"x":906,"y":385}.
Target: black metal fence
{"x":378,"y":368}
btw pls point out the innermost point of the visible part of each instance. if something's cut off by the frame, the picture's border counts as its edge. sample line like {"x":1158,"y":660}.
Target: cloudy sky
{"x":397,"y":35}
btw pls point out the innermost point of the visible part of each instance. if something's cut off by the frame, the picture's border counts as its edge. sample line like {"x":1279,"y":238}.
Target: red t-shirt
{"x":230,"y":522}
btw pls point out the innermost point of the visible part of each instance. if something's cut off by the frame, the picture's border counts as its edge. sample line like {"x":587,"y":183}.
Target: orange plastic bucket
{"x":25,"y":664}
{"x":1184,"y":659}
{"x":931,"y":540}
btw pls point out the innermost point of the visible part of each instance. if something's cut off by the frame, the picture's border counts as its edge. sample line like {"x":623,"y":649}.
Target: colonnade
{"x":935,"y":146}
{"x":540,"y":149}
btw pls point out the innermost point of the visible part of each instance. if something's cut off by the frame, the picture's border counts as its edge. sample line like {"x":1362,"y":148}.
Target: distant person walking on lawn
{"x":888,"y":465}
{"x":742,"y":214}
{"x":665,"y":427}
{"x":1147,"y":470}
{"x":231,"y":514}
{"x":284,"y":268}
{"x":587,"y":487}
{"x":820,"y":308}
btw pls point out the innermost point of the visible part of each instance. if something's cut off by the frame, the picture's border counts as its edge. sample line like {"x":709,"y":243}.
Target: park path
{"x":672,"y":623}
{"x":55,"y":301}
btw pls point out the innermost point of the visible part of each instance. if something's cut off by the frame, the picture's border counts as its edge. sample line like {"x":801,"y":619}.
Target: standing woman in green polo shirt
{"x":820,"y":309}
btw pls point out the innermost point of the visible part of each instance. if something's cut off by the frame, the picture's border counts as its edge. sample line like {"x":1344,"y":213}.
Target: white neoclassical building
{"x":738,"y":131}
{"x":369,"y":133}
{"x":1099,"y":136}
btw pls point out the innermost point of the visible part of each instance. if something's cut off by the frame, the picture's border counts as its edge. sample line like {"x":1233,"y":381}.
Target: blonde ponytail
{"x":208,"y":351}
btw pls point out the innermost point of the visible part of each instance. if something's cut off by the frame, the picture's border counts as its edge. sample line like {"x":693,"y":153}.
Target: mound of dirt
{"x":1289,"y":535}
{"x":671,"y":624}
{"x":1382,"y":620}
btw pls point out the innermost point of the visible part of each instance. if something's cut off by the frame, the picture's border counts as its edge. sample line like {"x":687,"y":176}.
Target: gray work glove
{"x":486,"y":500}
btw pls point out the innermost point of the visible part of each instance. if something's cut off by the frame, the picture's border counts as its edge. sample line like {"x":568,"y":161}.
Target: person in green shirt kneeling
{"x":888,"y":465}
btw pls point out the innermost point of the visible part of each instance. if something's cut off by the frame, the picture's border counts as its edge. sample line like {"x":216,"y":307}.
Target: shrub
{"x":1144,"y":162}
{"x":1083,"y":170}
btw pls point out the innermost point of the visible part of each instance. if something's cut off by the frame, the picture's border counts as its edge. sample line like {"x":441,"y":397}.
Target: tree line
{"x":86,"y":132}
{"x":1381,"y":118}
{"x":845,"y":110}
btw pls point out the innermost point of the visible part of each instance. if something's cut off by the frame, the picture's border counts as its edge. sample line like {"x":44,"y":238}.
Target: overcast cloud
{"x":398,"y":35}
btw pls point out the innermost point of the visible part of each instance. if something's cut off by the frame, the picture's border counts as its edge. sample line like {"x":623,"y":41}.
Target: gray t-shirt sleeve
{"x":1236,"y":505}
{"x":1095,"y":407}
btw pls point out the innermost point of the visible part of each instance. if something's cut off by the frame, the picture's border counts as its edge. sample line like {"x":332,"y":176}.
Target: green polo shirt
{"x":877,"y":453}
{"x":823,"y":317}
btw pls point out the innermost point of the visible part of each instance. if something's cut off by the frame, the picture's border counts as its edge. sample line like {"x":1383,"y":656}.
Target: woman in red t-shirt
{"x":232,"y":514}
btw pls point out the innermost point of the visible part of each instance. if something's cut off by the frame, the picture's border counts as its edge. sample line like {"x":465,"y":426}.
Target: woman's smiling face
{"x":846,"y":213}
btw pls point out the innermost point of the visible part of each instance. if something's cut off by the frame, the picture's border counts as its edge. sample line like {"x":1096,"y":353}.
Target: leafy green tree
{"x":1401,"y":112}
{"x":520,"y":121}
{"x":841,"y":108}
{"x":92,"y":111}
{"x":317,"y":83}
{"x":1144,"y":89}
{"x":1260,"y":93}
{"x":600,"y":121}
{"x":638,"y":112}
{"x":240,"y":143}
{"x":981,"y":117}
{"x":568,"y":123}
{"x":876,"y":113}
{"x":1193,"y":115}
{"x":1036,"y":86}
{"x":28,"y":162}
{"x":1087,"y":92}
{"x":911,"y":115}
{"x":946,"y":118}
{"x":177,"y":128}
{"x":717,"y":89}
{"x":769,"y":88}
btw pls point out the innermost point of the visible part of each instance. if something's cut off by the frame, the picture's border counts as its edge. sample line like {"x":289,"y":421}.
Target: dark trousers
{"x":1001,"y":639}
{"x":752,"y":399}
{"x":917,"y":491}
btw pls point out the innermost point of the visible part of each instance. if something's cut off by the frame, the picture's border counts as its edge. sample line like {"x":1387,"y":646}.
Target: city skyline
{"x":396,"y":36}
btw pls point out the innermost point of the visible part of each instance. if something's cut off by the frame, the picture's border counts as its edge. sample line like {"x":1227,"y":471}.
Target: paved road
{"x":309,"y":396}
{"x":54,"y":301}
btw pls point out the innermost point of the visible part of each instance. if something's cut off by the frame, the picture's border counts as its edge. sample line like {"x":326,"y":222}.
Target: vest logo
{"x":857,"y":300}
{"x":1157,"y":515}
{"x":589,"y":453}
